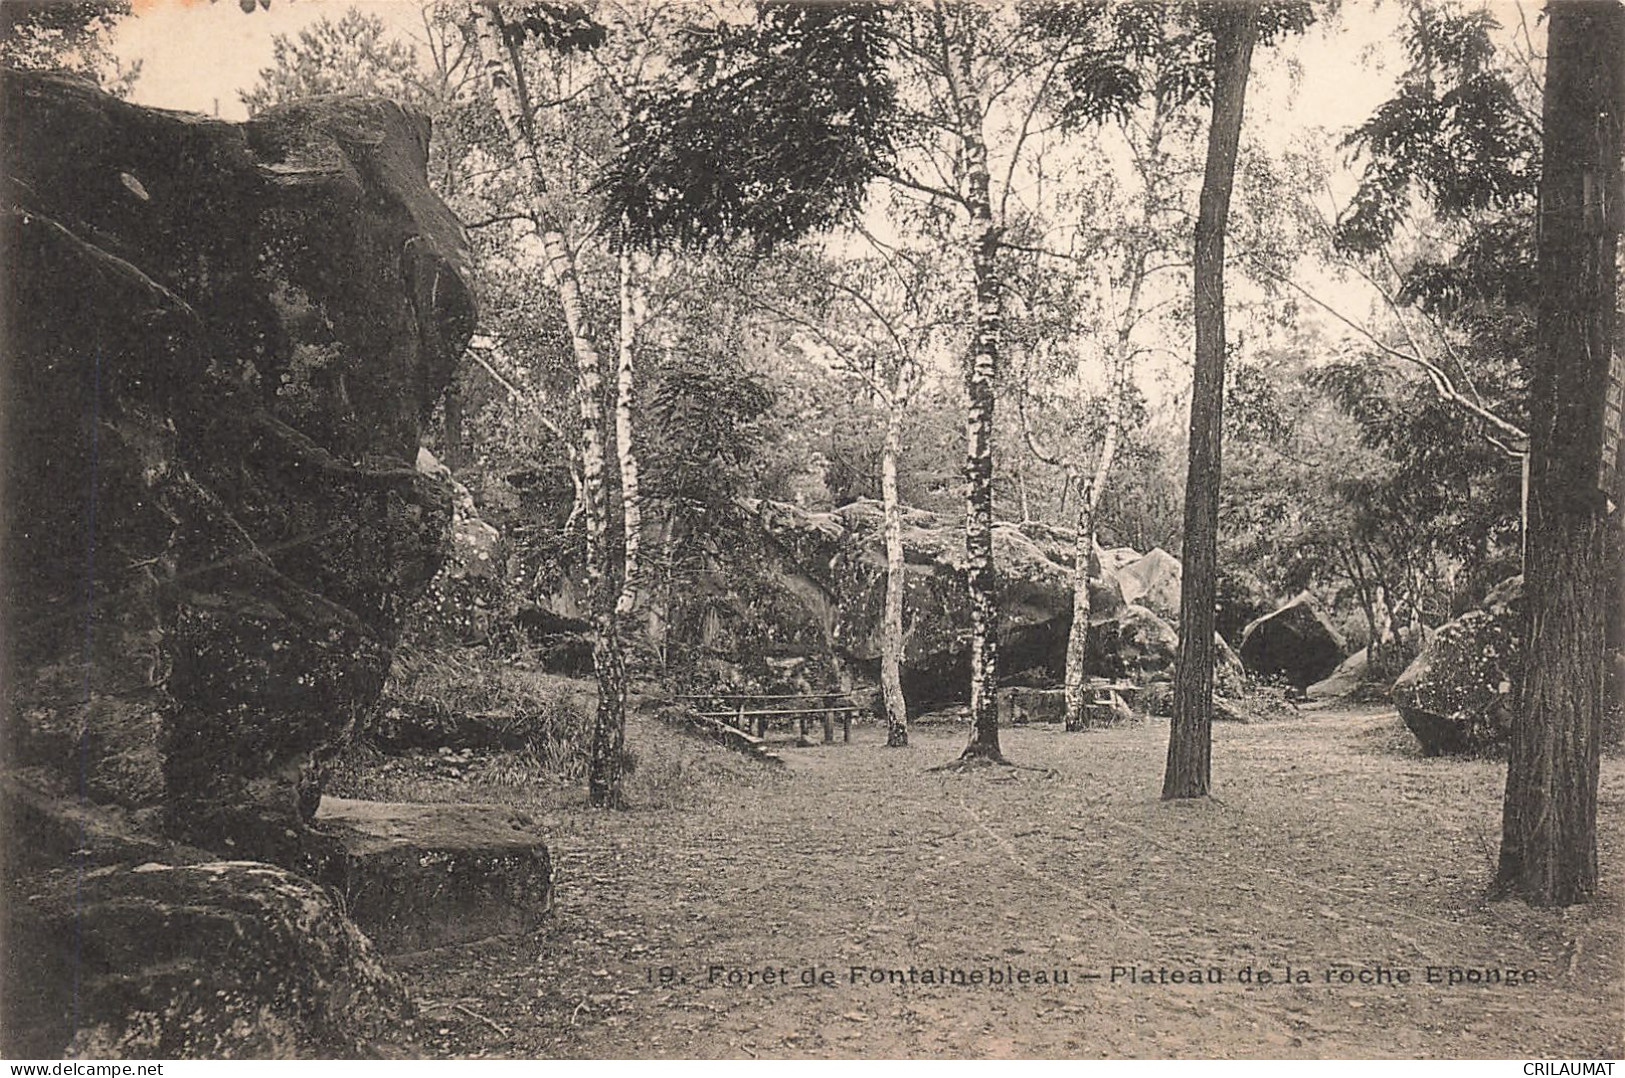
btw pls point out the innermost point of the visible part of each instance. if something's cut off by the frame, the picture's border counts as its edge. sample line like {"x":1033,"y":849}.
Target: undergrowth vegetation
{"x":465,"y":713}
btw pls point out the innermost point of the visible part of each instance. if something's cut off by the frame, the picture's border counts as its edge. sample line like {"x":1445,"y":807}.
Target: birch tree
{"x":499,"y":47}
{"x":978,"y":91}
{"x":880,"y":314}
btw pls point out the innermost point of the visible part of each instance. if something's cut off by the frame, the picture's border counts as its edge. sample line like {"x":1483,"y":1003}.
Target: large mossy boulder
{"x":1294,"y":642}
{"x":221,"y":341}
{"x":1458,"y":694}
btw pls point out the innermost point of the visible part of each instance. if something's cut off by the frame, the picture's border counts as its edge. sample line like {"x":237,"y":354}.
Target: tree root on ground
{"x":981,"y":761}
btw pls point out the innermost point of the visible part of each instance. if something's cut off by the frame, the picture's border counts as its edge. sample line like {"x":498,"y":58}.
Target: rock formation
{"x":1459,"y":693}
{"x":808,"y":588}
{"x":819,"y":580}
{"x":222,"y":339}
{"x":1295,"y":642}
{"x":1153,"y":582}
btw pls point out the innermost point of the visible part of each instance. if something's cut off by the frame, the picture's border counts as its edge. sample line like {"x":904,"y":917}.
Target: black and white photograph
{"x":812,"y":529}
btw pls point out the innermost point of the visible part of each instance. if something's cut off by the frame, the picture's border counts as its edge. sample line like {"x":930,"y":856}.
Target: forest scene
{"x":782,"y":529}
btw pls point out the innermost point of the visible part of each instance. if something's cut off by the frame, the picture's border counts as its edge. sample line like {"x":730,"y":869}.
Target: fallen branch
{"x":476,"y":1014}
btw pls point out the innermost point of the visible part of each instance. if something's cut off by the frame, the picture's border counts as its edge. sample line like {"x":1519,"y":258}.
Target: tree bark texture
{"x":1189,"y":769}
{"x":981,"y":369}
{"x":505,"y":74}
{"x":625,"y":451}
{"x":1549,"y":823}
{"x":891,"y":639}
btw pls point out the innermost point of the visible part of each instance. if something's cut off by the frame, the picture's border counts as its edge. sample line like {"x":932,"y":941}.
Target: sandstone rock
{"x":469,"y":599}
{"x":809,"y":587}
{"x":1458,"y":694}
{"x":1153,"y":582}
{"x":1229,"y":673}
{"x":226,"y":959}
{"x":1346,"y":680}
{"x":1114,"y":559}
{"x":1295,"y":642}
{"x":415,"y":876}
{"x":231,"y":333}
{"x":1136,"y":644}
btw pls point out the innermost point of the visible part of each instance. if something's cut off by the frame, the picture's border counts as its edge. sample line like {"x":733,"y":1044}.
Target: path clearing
{"x":1324,"y":847}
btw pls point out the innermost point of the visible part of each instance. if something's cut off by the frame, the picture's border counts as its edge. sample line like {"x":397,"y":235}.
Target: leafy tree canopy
{"x":732,"y":151}
{"x":1145,"y":49}
{"x":1456,"y":132}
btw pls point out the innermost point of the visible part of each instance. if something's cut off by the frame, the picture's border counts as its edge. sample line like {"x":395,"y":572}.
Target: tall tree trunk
{"x":1074,"y":678}
{"x":626,"y":453}
{"x":1189,"y":771}
{"x":1085,"y":564}
{"x":505,"y":73}
{"x":891,"y":636}
{"x":981,"y":368}
{"x":1549,"y":826}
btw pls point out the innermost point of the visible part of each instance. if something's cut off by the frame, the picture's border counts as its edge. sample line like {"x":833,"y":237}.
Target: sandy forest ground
{"x":1330,"y":845}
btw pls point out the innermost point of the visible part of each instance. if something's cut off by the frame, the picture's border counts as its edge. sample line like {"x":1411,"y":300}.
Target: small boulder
{"x":1346,"y":680}
{"x":1295,"y":643}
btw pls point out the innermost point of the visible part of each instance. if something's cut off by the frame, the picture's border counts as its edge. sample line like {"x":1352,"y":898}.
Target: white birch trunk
{"x":891,"y":646}
{"x":631,"y":506}
{"x":505,"y":75}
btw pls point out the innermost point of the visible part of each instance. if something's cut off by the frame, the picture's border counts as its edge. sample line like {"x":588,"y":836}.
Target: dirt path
{"x":1324,"y":848}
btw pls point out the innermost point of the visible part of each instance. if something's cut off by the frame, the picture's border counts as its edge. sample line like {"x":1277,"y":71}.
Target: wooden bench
{"x":740,"y":710}
{"x":1105,"y":701}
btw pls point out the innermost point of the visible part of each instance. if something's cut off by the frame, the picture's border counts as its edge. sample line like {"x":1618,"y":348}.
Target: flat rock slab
{"x":415,"y":876}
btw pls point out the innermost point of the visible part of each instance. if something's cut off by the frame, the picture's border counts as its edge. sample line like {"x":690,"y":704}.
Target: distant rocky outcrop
{"x":820,"y":580}
{"x":221,"y":341}
{"x":1458,"y":694}
{"x":1294,"y":642}
{"x":810,"y":586}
